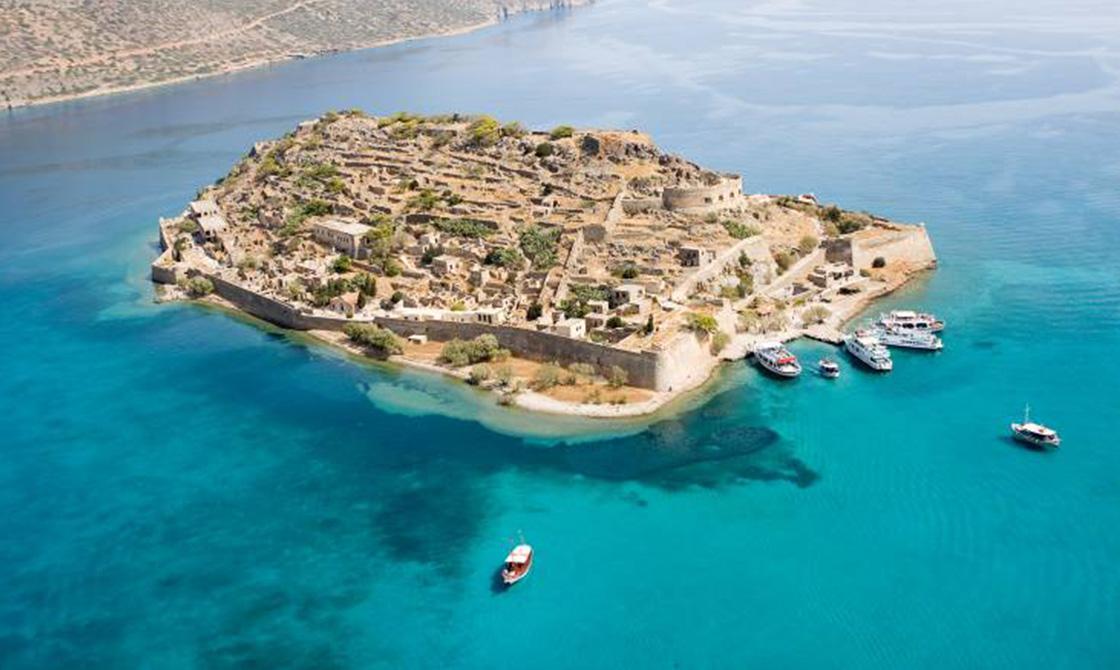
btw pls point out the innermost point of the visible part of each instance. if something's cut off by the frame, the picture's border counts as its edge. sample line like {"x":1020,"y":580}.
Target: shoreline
{"x":276,"y":60}
{"x":655,"y":407}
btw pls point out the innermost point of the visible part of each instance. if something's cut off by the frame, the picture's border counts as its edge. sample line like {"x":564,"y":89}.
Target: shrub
{"x":783,"y":260}
{"x":479,"y":374}
{"x":504,"y":257}
{"x":617,"y":377}
{"x":534,"y":312}
{"x":702,"y":323}
{"x":544,"y":150}
{"x":648,"y":329}
{"x":396,"y":297}
{"x":628,"y":271}
{"x":560,"y":132}
{"x":615,"y":322}
{"x":342,"y":264}
{"x":739,"y":230}
{"x":513,"y":129}
{"x":744,"y":260}
{"x":833,"y":213}
{"x":807,"y":245}
{"x":879,"y":262}
{"x":864,"y":272}
{"x":374,"y":337}
{"x":199,"y":286}
{"x":547,"y":376}
{"x":815,"y":314}
{"x":483,"y":348}
{"x":504,"y":374}
{"x":849,"y":225}
{"x":539,"y":245}
{"x":463,"y":228}
{"x":426,"y":200}
{"x":188,"y":226}
{"x":719,"y":342}
{"x":484,"y":131}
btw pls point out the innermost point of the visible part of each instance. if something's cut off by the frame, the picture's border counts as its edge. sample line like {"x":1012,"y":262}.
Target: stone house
{"x":627,"y":294}
{"x":696,"y":257}
{"x":446,"y":264}
{"x":573,"y":328}
{"x":345,"y":236}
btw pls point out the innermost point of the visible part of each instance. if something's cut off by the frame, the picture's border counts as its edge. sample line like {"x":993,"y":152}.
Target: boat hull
{"x":1027,"y":438}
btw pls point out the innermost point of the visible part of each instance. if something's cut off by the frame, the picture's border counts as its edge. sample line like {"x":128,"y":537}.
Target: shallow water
{"x":180,"y":488}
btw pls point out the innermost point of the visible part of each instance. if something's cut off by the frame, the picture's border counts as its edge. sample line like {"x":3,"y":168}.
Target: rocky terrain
{"x":56,"y":50}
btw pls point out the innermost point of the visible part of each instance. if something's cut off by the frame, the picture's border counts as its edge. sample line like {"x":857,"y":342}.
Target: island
{"x":570,"y":270}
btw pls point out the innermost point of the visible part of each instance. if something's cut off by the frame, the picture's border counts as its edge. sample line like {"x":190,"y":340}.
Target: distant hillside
{"x":57,"y":50}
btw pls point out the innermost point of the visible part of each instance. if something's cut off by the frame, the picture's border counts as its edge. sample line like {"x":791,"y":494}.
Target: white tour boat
{"x":1035,"y":433}
{"x":868,"y":350}
{"x":517,"y":564}
{"x":906,"y":320}
{"x":909,"y":339}
{"x":777,"y":359}
{"x":829,"y":368}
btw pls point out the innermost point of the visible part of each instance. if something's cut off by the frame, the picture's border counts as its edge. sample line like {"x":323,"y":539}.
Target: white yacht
{"x":1035,"y":434}
{"x":777,"y":359}
{"x":906,"y":320}
{"x":865,"y":348}
{"x":908,"y":339}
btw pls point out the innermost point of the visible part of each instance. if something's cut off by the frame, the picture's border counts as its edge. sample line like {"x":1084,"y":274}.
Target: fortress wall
{"x":641,"y":367}
{"x":727,"y":193}
{"x":910,"y":244}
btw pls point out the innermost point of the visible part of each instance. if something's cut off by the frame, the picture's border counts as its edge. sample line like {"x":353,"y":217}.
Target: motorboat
{"x":517,"y":564}
{"x":909,"y":339}
{"x":1035,"y":434}
{"x":828,"y":368}
{"x":867,"y":349}
{"x":906,"y":320}
{"x":777,"y":359}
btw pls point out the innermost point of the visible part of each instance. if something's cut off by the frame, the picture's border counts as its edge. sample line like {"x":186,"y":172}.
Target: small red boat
{"x":517,"y":564}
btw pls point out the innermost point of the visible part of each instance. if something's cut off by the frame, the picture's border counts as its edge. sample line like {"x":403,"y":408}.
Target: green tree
{"x":617,"y":377}
{"x":560,"y":132}
{"x":699,"y":322}
{"x":376,"y":338}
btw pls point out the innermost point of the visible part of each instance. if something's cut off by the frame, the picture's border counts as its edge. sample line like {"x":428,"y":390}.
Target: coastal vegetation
{"x":484,"y":348}
{"x":370,"y":336}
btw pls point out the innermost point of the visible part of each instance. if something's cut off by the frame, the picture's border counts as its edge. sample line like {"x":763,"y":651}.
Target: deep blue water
{"x":183,"y":489}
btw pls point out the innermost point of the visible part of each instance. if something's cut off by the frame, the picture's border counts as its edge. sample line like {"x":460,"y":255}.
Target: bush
{"x":374,"y":337}
{"x":719,"y":342}
{"x":199,"y":286}
{"x":615,"y":322}
{"x":513,"y":129}
{"x":833,"y":214}
{"x":342,"y":264}
{"x":815,"y":314}
{"x":585,"y":370}
{"x":744,"y":260}
{"x":617,"y":377}
{"x":560,"y":132}
{"x":479,"y":374}
{"x":463,"y":228}
{"x":648,"y":329}
{"x":504,"y":374}
{"x":544,"y":150}
{"x":807,"y":245}
{"x":483,"y":348}
{"x":783,"y":260}
{"x":738,"y":230}
{"x":547,"y":376}
{"x":539,"y":245}
{"x":879,"y":262}
{"x":628,"y":271}
{"x":504,"y":257}
{"x":702,"y":323}
{"x":484,"y":131}
{"x":534,"y":312}
{"x":188,"y":226}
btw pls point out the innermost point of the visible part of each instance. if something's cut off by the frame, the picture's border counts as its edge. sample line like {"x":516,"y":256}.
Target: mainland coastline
{"x":579,"y":272}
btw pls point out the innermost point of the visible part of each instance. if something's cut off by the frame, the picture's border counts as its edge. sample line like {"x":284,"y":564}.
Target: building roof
{"x":212,"y":223}
{"x":346,"y":227}
{"x":203,"y":207}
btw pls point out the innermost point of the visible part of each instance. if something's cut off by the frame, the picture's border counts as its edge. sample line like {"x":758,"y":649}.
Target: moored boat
{"x":777,"y":359}
{"x":1035,"y":434}
{"x":517,"y":564}
{"x":906,"y":320}
{"x":866,"y":349}
{"x":828,"y":368}
{"x":909,"y":339}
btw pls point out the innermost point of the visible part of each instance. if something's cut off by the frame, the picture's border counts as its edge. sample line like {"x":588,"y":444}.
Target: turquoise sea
{"x":180,"y":488}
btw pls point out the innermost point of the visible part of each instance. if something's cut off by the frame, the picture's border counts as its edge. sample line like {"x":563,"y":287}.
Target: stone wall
{"x":642,"y":368}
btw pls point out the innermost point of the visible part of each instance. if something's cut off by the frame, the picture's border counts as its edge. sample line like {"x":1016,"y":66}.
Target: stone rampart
{"x":727,"y":193}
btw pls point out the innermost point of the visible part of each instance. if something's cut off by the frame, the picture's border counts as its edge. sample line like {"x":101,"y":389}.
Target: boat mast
{"x":1027,"y":413}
